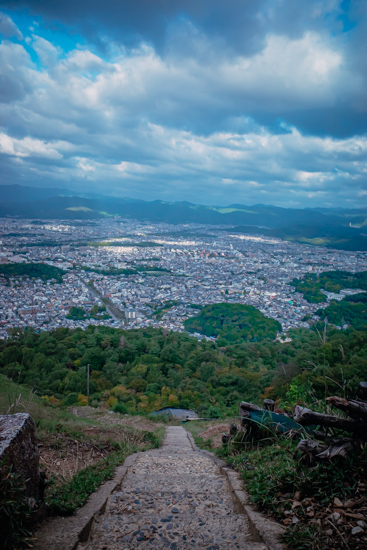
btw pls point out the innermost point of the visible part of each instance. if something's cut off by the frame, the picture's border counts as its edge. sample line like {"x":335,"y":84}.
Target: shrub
{"x":82,"y":400}
{"x":14,"y":512}
{"x":120,"y":408}
{"x":111,"y":402}
{"x":71,"y":399}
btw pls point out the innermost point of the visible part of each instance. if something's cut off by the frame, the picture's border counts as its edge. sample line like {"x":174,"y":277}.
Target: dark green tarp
{"x":278,"y":422}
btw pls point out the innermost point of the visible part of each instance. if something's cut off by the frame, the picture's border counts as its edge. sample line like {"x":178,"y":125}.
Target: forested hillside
{"x":331,"y":281}
{"x":146,"y":369}
{"x":33,"y":270}
{"x":233,"y":322}
{"x":352,"y":310}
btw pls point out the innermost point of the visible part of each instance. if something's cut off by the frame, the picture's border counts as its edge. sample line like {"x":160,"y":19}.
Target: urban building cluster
{"x":156,"y":275}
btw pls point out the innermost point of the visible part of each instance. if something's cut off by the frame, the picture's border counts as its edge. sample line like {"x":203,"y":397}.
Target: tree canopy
{"x":34,"y":270}
{"x":331,"y":281}
{"x":233,"y":322}
{"x":147,"y":369}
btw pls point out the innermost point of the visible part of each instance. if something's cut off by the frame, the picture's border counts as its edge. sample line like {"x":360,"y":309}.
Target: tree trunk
{"x":312,"y":450}
{"x":306,"y":417}
{"x":344,"y":446}
{"x":269,"y":405}
{"x":244,"y":406}
{"x":245,"y":418}
{"x":362,"y":392}
{"x":233,"y":429}
{"x":355,"y":409}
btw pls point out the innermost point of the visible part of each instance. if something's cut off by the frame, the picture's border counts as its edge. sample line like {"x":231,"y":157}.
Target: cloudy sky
{"x":210,"y":101}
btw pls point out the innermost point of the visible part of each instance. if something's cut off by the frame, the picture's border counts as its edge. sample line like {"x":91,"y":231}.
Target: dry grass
{"x":214,"y":433}
{"x":71,"y":440}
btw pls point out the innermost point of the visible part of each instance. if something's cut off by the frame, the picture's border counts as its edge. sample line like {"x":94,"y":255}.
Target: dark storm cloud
{"x":209,"y":31}
{"x":241,"y":24}
{"x":216,"y":102}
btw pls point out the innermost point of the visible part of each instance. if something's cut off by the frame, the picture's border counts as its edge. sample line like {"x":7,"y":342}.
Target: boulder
{"x":19,"y":449}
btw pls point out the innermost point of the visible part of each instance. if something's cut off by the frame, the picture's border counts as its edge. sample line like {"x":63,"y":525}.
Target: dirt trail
{"x":173,"y":497}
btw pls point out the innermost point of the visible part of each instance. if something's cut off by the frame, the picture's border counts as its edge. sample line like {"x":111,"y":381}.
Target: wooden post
{"x":244,"y":406}
{"x":355,"y":409}
{"x":268,"y":405}
{"x":362,"y":392}
{"x":88,"y":384}
{"x":306,"y":417}
{"x":233,"y":429}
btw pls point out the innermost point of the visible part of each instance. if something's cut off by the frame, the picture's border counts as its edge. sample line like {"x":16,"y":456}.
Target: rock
{"x":175,"y":511}
{"x":19,"y":449}
{"x":329,"y":532}
{"x":362,"y":524}
{"x":357,"y":530}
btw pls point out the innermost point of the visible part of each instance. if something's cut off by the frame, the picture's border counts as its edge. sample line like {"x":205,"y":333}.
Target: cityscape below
{"x":125,"y":273}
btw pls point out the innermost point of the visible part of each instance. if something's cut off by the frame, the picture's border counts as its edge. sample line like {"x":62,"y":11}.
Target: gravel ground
{"x":175,"y":498}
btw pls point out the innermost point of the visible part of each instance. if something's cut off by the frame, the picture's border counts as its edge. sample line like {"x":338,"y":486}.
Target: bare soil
{"x":110,"y":418}
{"x":63,"y":455}
{"x":214,"y":433}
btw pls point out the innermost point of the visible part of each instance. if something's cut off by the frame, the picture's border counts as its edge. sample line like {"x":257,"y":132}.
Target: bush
{"x":111,"y":402}
{"x":214,"y":412}
{"x":120,"y":408}
{"x":71,"y":399}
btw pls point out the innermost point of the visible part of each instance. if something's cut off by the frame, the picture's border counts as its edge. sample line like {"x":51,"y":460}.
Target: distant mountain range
{"x":336,"y":227}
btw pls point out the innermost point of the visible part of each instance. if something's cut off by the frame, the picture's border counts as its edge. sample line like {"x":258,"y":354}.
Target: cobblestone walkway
{"x":174,"y":498}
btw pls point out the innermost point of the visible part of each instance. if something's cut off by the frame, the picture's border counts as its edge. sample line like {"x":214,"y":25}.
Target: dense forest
{"x":134,"y":270}
{"x":34,"y":270}
{"x":145,"y":369}
{"x":233,"y":322}
{"x":352,"y":310}
{"x":96,"y":312}
{"x":331,"y":281}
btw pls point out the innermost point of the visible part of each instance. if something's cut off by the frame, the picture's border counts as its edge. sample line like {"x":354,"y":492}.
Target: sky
{"x":208,"y":101}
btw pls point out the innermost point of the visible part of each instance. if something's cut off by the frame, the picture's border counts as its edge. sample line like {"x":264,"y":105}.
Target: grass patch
{"x":15,"y":514}
{"x":78,"y":453}
{"x":65,"y":499}
{"x":300,"y":497}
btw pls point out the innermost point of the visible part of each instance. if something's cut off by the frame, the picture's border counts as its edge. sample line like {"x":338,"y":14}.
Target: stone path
{"x":175,"y":498}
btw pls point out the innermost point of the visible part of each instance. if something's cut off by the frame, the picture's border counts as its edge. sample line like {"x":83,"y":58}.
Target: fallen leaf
{"x":349,"y":504}
{"x":354,"y":516}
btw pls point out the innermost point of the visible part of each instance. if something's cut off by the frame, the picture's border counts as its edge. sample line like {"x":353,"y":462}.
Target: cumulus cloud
{"x":8,"y":28}
{"x":28,"y":147}
{"x":276,"y":116}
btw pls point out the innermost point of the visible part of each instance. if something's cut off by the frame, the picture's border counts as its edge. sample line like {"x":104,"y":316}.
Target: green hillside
{"x":331,"y":281}
{"x":33,"y":270}
{"x":352,"y":310}
{"x":146,"y":369}
{"x":233,"y":322}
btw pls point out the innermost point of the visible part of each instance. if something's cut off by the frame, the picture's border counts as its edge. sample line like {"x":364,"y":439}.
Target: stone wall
{"x":18,"y":447}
